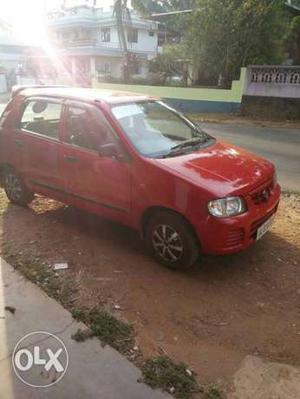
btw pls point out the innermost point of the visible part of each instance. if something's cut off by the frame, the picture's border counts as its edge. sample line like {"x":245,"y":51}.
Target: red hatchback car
{"x":134,"y":159}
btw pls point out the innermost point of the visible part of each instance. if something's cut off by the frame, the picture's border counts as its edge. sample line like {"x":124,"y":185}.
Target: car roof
{"x":86,"y":94}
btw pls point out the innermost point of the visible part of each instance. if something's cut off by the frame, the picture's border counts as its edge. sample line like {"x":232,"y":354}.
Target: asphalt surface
{"x":280,"y":145}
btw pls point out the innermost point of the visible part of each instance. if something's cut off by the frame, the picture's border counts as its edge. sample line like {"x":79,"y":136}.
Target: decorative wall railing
{"x":273,"y":81}
{"x":276,"y":75}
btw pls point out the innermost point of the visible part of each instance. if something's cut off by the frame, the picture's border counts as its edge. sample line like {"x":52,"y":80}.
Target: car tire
{"x":171,"y":241}
{"x":15,"y":188}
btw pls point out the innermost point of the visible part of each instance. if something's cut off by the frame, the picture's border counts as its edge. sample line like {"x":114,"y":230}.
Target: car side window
{"x":86,"y":128}
{"x":42,"y":117}
{"x":77,"y":130}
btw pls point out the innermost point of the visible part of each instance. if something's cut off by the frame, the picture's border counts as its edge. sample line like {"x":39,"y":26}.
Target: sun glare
{"x":28,"y":18}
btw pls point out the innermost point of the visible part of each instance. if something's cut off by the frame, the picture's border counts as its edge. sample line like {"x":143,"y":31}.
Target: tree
{"x":148,"y":7}
{"x":292,"y":39}
{"x":174,"y":23}
{"x":123,"y":18}
{"x":171,"y":62}
{"x":122,"y":14}
{"x":225,"y":35}
{"x":220,"y":36}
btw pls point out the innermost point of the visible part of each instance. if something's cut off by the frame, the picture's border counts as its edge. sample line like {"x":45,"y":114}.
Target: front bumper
{"x":228,"y":235}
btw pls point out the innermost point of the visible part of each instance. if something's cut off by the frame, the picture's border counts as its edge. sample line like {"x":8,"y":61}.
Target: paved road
{"x":280,"y":146}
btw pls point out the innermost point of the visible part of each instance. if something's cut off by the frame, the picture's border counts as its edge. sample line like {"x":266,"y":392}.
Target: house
{"x":87,"y":42}
{"x":13,"y":56}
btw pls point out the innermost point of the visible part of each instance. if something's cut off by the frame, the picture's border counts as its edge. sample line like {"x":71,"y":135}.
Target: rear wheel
{"x":15,"y":188}
{"x":171,"y":240}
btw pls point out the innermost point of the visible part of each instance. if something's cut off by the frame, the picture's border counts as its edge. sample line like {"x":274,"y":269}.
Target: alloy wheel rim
{"x":167,"y":243}
{"x":13,"y":187}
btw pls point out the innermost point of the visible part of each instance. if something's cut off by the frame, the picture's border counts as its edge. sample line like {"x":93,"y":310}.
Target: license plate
{"x":261,"y":231}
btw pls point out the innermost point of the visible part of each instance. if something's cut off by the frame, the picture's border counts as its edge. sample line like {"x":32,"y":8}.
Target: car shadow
{"x":61,"y":230}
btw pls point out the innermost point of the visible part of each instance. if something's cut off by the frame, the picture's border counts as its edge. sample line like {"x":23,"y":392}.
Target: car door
{"x":99,"y":183}
{"x":38,"y":145}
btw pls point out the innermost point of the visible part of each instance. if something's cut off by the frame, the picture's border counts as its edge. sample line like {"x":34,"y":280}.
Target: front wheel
{"x":171,"y":240}
{"x":15,"y":189}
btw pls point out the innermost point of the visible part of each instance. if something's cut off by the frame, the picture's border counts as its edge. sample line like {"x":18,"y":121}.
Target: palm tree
{"x":123,"y":17}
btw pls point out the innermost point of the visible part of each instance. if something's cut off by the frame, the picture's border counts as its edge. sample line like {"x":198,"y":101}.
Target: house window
{"x":151,"y":33}
{"x":105,"y":68}
{"x":105,"y":34}
{"x":132,"y":35}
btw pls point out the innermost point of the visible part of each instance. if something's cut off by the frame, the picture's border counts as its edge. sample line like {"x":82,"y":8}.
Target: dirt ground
{"x":210,"y":318}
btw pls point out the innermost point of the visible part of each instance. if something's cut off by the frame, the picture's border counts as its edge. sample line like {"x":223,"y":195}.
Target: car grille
{"x":235,"y":237}
{"x":263,"y":193}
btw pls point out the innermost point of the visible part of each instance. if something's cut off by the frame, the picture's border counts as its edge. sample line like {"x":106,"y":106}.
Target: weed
{"x":107,"y":328}
{"x":79,"y":314}
{"x":162,"y":373}
{"x":213,"y":392}
{"x":59,"y":287}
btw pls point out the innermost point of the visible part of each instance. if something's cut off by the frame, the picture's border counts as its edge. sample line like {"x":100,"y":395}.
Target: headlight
{"x":225,"y":207}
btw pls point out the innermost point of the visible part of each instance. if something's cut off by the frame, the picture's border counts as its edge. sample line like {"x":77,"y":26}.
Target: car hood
{"x":221,"y":169}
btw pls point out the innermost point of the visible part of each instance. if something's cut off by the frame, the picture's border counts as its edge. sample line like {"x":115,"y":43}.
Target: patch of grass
{"x":58,"y":286}
{"x":79,"y":314}
{"x":176,"y":379}
{"x":213,"y":392}
{"x":107,"y":328}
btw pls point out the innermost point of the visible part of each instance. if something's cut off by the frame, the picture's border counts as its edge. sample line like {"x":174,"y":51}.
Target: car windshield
{"x":156,"y":130}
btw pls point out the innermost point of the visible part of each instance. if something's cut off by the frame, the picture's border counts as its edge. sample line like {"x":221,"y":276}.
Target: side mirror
{"x":112,"y":150}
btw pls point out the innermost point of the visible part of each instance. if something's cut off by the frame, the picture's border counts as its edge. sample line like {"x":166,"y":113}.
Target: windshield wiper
{"x":180,"y":148}
{"x":189,"y":143}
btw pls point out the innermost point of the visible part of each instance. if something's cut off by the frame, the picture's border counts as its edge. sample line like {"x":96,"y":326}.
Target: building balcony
{"x":65,"y":43}
{"x":80,"y":42}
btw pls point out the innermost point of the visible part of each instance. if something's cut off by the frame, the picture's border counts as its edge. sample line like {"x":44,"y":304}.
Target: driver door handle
{"x":70,"y":158}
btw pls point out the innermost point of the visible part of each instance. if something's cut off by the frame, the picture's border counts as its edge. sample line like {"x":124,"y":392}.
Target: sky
{"x":28,"y":17}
